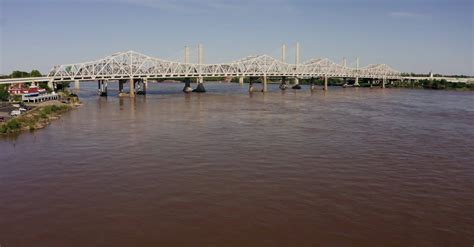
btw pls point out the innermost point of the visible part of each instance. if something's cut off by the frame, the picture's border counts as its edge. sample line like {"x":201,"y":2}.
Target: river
{"x":349,"y":167}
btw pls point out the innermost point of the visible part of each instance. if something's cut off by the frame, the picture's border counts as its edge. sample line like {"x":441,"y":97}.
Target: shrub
{"x":13,"y":124}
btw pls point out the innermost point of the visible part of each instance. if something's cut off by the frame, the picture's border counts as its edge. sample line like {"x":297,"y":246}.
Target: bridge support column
{"x":241,"y":80}
{"x":145,"y":85}
{"x":77,"y":85}
{"x":121,"y":82}
{"x":200,"y":86}
{"x":283,"y":85}
{"x":187,"y":85}
{"x":297,"y":84}
{"x":264,"y":84}
{"x":51,"y":85}
{"x":311,"y":82}
{"x":140,"y":87}
{"x":251,"y":80}
{"x":106,"y":85}
{"x":132,"y":87}
{"x":325,"y":83}
{"x":384,"y":80}
{"x":356,"y":83}
{"x":102,"y":84}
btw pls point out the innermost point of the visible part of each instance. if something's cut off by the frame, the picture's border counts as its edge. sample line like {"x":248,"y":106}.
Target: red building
{"x":20,"y":89}
{"x":17,"y":89}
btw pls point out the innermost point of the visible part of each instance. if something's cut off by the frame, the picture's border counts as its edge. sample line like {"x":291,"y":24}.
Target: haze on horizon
{"x":409,"y":35}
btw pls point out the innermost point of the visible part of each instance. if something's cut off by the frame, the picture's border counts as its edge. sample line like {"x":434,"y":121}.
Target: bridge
{"x":131,"y":66}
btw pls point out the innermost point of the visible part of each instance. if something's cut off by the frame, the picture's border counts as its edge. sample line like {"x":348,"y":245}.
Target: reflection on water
{"x":347,"y":167}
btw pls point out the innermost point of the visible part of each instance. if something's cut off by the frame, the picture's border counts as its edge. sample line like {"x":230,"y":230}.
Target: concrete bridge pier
{"x":145,"y":85}
{"x":283,"y":85}
{"x":106,"y":85}
{"x":121,"y":82}
{"x":241,"y":80}
{"x":384,"y":80}
{"x":132,"y":87}
{"x":141,"y":88}
{"x":51,"y":85}
{"x":325,"y":83}
{"x":297,"y":84}
{"x":251,"y":81}
{"x":102,"y":84}
{"x":187,"y":85}
{"x":200,"y":86}
{"x":264,"y":82}
{"x":356,"y":83}
{"x":311,"y":82}
{"x":77,"y":85}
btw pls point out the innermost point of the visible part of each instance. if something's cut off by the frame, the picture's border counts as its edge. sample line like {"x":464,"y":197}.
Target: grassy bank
{"x":37,"y":118}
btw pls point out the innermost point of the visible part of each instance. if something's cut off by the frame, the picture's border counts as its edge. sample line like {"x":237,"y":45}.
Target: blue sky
{"x":409,"y":35}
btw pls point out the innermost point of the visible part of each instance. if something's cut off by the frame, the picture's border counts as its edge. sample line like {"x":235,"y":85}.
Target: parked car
{"x":15,"y":113}
{"x":22,"y":109}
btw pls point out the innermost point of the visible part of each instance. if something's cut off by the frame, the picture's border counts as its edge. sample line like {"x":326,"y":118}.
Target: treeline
{"x":434,"y":75}
{"x":434,"y":84}
{"x":22,"y":74}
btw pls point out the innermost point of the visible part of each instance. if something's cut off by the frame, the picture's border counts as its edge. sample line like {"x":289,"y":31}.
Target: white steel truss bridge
{"x":131,"y":64}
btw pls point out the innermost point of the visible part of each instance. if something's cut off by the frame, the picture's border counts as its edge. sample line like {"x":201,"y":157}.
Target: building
{"x":17,"y":89}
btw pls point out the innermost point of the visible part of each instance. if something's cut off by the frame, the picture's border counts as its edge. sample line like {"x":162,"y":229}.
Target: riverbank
{"x":39,"y":117}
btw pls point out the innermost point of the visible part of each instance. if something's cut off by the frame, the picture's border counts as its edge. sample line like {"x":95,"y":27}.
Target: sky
{"x":409,"y":35}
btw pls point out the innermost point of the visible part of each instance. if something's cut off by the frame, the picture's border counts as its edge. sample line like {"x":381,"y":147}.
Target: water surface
{"x":350,"y":167}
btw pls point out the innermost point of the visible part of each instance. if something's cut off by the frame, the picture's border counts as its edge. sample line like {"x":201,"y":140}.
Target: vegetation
{"x":44,"y":85}
{"x":70,"y":97}
{"x":21,"y":74}
{"x":433,"y":84}
{"x":4,"y":92}
{"x":10,"y":126}
{"x":364,"y":82}
{"x":35,"y":119}
{"x":434,"y":75}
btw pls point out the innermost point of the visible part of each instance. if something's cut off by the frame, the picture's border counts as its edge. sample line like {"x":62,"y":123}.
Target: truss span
{"x":133,"y":64}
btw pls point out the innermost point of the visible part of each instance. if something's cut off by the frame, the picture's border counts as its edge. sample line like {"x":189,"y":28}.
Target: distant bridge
{"x":134,"y":66}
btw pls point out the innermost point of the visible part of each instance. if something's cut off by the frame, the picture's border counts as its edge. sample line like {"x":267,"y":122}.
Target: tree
{"x":4,"y":92}
{"x":44,"y":85}
{"x":35,"y":73}
{"x":19,"y":74}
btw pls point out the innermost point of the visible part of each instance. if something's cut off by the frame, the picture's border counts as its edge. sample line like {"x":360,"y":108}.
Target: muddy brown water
{"x":350,"y":167}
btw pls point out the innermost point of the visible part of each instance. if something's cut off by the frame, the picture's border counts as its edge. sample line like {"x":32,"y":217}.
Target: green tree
{"x":44,"y":85}
{"x":4,"y":92}
{"x":35,"y":73}
{"x":19,"y":74}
